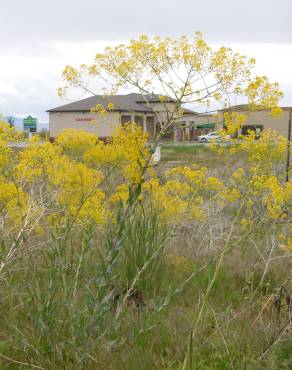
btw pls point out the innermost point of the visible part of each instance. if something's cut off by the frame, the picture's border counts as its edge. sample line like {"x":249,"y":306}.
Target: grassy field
{"x":53,"y":321}
{"x":185,"y":153}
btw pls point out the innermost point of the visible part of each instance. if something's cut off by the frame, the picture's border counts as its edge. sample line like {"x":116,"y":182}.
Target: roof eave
{"x":88,"y":111}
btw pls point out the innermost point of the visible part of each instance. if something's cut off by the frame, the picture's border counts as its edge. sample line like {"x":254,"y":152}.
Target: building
{"x":262,"y":120}
{"x":195,"y":124}
{"x":147,"y":112}
{"x":131,"y":107}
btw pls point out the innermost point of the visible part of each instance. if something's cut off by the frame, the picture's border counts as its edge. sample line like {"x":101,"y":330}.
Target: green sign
{"x":30,"y":124}
{"x":206,"y":125}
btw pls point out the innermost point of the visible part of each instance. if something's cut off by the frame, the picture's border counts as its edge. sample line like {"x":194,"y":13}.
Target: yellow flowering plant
{"x":173,"y":72}
{"x":86,"y":223}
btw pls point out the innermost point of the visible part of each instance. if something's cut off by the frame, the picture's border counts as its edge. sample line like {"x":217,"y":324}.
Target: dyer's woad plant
{"x":189,"y":71}
{"x":186,"y":70}
{"x":86,"y":223}
{"x":80,"y":182}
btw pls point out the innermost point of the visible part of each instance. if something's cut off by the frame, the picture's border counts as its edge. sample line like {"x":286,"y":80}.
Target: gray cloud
{"x":33,"y":23}
{"x":30,"y":62}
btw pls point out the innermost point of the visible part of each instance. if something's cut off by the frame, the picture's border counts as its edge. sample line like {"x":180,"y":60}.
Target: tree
{"x":175,"y":72}
{"x":11,"y":121}
{"x":187,"y":70}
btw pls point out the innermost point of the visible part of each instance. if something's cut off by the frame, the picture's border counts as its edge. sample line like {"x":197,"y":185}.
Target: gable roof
{"x":122,"y":103}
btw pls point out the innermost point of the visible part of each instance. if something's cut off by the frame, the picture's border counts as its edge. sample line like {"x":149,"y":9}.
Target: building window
{"x":256,"y":128}
{"x":139,"y":121}
{"x":150,"y":127}
{"x":125,"y":119}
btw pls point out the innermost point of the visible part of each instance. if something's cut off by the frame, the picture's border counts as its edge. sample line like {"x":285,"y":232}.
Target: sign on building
{"x":30,"y":124}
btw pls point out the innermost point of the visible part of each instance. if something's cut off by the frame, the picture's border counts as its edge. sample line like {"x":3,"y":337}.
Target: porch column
{"x":144,"y":123}
{"x":174,"y":133}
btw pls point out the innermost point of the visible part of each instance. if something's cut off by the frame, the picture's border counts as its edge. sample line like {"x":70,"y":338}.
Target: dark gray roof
{"x":189,"y":112}
{"x":244,"y":108}
{"x":130,"y":102}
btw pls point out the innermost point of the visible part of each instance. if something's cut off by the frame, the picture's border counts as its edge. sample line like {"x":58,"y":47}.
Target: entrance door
{"x":256,"y":128}
{"x":150,"y":127}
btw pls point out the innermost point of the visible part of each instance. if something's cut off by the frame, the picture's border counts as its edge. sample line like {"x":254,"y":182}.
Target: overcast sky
{"x":39,"y":37}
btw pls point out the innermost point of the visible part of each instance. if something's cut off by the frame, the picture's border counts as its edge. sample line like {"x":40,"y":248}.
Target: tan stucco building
{"x":148,"y":112}
{"x":263,"y":120}
{"x":125,"y":108}
{"x":193,"y":124}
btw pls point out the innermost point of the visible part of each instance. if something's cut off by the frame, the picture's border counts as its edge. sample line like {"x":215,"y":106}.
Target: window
{"x":125,"y":119}
{"x":256,"y":128}
{"x":139,"y":121}
{"x":150,"y":127}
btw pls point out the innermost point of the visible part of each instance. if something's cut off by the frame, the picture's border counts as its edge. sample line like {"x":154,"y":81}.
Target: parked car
{"x":212,"y":136}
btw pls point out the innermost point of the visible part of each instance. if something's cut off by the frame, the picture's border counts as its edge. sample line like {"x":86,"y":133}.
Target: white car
{"x":212,"y":136}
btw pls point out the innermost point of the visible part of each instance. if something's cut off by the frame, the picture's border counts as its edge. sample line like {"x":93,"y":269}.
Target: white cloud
{"x":38,"y":38}
{"x":8,"y":89}
{"x":273,"y":60}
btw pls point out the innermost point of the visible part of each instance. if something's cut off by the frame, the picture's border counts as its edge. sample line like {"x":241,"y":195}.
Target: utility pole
{"x":288,"y":147}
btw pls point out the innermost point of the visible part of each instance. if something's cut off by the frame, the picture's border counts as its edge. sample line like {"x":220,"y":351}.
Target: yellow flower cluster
{"x":13,"y":201}
{"x":180,"y":68}
{"x":58,"y":184}
{"x":127,"y":152}
{"x":246,"y":223}
{"x":274,"y":195}
{"x":79,"y":178}
{"x":263,"y":94}
{"x":79,"y":194}
{"x":76,"y":142}
{"x":8,"y":133}
{"x":181,"y":194}
{"x":233,"y":122}
{"x":260,"y":184}
{"x":99,"y":108}
{"x":268,"y":150}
